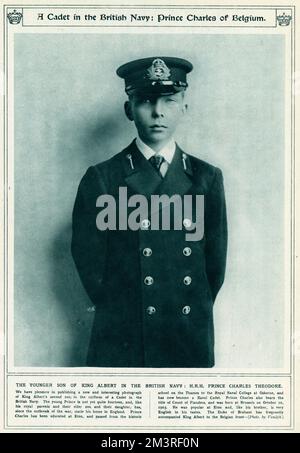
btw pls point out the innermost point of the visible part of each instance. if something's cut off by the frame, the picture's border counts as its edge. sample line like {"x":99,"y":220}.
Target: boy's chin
{"x":158,"y":138}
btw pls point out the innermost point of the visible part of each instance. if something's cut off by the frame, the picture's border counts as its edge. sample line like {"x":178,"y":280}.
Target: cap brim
{"x":160,"y":90}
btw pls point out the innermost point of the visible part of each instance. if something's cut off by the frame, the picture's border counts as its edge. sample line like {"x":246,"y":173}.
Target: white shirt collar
{"x":167,"y":151}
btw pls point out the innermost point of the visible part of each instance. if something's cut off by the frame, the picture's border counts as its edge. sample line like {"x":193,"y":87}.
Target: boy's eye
{"x":171,"y":100}
{"x":144,"y":100}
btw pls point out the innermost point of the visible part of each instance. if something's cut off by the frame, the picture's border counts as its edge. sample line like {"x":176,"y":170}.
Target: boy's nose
{"x":157,"y":108}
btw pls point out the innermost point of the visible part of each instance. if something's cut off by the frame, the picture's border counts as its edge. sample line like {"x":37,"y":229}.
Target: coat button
{"x":145,"y":223}
{"x":147,"y":252}
{"x":187,"y":223}
{"x":148,"y":280}
{"x":186,"y":309}
{"x":187,"y":251}
{"x":151,"y":310}
{"x":187,"y":280}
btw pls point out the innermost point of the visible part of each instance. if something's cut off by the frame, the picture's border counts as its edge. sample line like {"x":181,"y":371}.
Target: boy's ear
{"x":128,"y":111}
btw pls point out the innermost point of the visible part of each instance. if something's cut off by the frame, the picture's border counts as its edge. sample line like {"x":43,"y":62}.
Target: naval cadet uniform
{"x":153,"y":290}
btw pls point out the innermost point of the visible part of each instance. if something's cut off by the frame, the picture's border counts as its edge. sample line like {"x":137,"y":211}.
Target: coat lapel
{"x":178,"y":177}
{"x":142,"y":178}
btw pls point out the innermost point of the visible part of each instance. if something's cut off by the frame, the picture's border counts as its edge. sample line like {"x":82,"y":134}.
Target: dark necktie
{"x":156,"y":162}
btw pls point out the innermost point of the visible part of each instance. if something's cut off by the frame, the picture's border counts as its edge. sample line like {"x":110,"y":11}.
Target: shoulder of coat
{"x":105,"y":165}
{"x":203,"y":169}
{"x":110,"y":164}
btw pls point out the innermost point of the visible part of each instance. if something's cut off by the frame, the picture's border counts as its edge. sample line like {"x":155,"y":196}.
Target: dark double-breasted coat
{"x":152,"y":289}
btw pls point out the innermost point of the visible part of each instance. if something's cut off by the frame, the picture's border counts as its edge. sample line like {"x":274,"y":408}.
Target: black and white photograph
{"x":70,"y":118}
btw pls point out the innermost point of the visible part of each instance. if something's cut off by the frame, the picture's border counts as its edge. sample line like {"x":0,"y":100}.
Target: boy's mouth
{"x":158,"y":126}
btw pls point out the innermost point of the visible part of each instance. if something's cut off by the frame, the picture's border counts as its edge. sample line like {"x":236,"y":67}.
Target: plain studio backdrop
{"x":69,"y":115}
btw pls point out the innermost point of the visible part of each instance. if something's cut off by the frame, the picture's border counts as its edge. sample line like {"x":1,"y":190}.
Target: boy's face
{"x":156,"y":116}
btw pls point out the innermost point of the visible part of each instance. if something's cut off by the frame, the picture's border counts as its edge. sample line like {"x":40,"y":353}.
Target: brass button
{"x":187,"y":251}
{"x":147,"y":252}
{"x":186,"y":309}
{"x":148,"y":280}
{"x":151,"y":310}
{"x":145,"y":224}
{"x":187,"y":280}
{"x":187,"y":223}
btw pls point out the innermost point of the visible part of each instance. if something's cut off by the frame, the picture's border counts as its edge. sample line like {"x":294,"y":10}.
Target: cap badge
{"x":158,"y":70}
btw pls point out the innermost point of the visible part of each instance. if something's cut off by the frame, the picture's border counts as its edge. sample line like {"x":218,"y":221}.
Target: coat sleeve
{"x":215,"y":234}
{"x":89,"y":245}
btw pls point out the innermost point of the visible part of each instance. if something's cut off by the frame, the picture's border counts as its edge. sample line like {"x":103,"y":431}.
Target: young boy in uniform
{"x":153,"y":288}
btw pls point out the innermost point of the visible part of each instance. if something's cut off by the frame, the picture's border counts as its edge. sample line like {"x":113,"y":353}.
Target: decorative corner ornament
{"x":158,"y":70}
{"x":284,"y":20}
{"x":14,"y":17}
